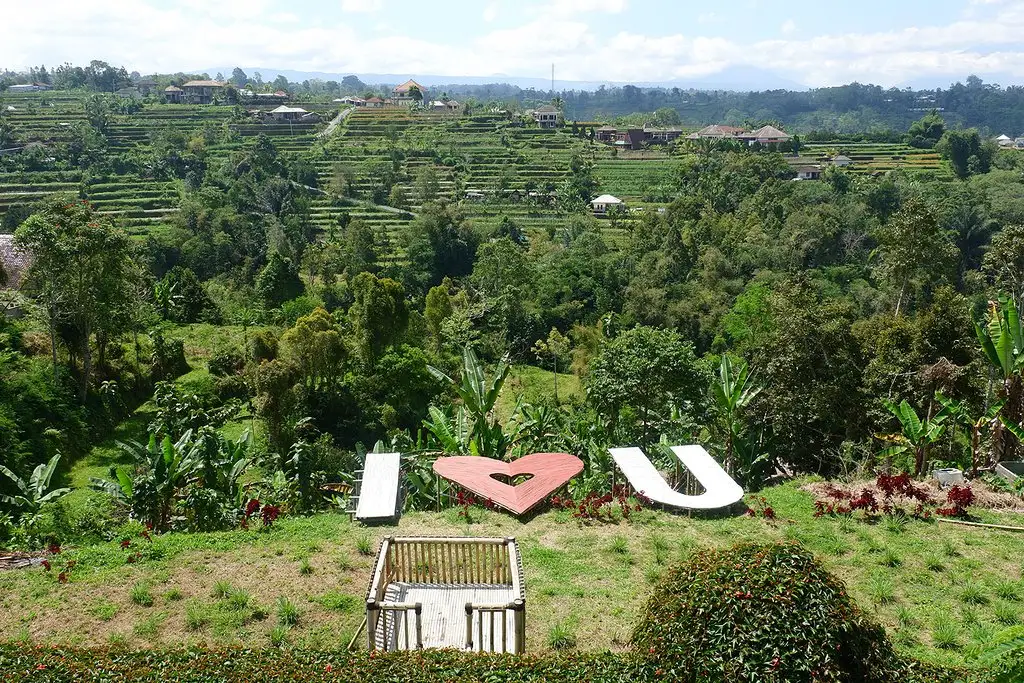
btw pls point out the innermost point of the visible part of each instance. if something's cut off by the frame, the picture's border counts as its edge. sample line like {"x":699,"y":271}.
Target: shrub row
{"x":197,"y":665}
{"x":204,"y":665}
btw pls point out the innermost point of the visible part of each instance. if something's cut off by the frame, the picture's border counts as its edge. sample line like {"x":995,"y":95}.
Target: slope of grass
{"x":592,"y":578}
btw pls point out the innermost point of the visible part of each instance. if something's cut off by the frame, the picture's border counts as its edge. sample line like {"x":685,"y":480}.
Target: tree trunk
{"x":899,"y":301}
{"x":83,"y":388}
{"x":53,"y":349}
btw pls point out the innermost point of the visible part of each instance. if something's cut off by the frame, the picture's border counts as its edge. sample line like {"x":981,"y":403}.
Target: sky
{"x":814,"y":43}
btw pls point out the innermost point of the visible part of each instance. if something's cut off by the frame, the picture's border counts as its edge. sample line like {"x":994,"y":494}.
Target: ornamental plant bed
{"x":985,"y":497}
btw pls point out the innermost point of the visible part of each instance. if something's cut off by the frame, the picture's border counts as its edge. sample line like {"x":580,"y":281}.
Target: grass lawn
{"x":938,"y":588}
{"x":534,"y":385}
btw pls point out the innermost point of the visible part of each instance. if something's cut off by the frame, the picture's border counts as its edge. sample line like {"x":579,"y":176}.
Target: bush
{"x":168,"y":359}
{"x":760,"y":612}
{"x":46,"y":663}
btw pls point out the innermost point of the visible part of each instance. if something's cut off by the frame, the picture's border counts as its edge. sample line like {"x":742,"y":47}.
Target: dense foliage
{"x":760,"y":612}
{"x":44,"y":664}
{"x":345,"y":293}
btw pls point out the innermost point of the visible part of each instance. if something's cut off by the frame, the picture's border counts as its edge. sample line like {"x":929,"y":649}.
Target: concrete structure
{"x":605,"y":203}
{"x":202,"y":92}
{"x":546,"y":116}
{"x":841,"y":161}
{"x":173,"y":94}
{"x":720,"y":491}
{"x":808,"y":173}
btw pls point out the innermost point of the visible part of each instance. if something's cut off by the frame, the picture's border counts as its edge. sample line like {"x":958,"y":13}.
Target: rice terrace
{"x":392,"y":377}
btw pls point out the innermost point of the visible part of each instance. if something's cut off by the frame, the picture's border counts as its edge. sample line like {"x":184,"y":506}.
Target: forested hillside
{"x":269,"y":301}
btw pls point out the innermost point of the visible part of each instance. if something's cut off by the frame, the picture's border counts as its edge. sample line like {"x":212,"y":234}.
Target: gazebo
{"x":465,"y":593}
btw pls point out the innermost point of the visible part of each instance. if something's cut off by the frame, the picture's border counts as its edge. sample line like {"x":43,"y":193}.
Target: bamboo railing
{"x":451,"y":561}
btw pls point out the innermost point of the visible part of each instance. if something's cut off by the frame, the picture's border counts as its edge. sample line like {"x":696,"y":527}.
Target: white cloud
{"x":788,"y":27}
{"x":154,"y":35}
{"x":361,"y":5}
{"x":491,"y":12}
{"x":578,"y":8}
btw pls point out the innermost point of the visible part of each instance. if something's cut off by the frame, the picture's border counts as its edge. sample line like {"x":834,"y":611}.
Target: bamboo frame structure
{"x":441,"y":571}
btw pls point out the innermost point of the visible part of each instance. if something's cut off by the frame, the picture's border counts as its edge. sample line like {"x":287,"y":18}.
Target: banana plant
{"x":733,"y":390}
{"x":158,"y":471}
{"x":36,"y":492}
{"x":915,"y":436}
{"x":961,"y":414}
{"x":479,"y":394}
{"x":1002,"y":342}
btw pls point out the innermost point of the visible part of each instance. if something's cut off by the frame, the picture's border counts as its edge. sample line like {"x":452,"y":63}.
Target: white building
{"x":605,"y":203}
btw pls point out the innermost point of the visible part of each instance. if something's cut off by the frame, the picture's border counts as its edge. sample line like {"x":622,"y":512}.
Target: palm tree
{"x":1002,"y":342}
{"x":34,"y":493}
{"x":915,"y":436}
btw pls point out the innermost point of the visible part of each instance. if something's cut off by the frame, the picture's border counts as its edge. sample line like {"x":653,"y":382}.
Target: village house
{"x":605,"y":204}
{"x":841,"y":160}
{"x":402,"y":94}
{"x":270,"y":97}
{"x":351,"y":101}
{"x":201,"y":92}
{"x":766,"y":135}
{"x":808,"y":173}
{"x":605,"y":134}
{"x":285,"y":113}
{"x":146,"y":86}
{"x":546,"y":116}
{"x":173,"y":94}
{"x":28,"y":87}
{"x":715,"y":132}
{"x":653,"y":134}
{"x":374,"y":102}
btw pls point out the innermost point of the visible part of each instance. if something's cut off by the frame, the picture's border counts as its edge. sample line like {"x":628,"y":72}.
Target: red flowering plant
{"x":466,"y":501}
{"x":596,"y":506}
{"x":265,"y":513}
{"x":757,"y":506}
{"x":894,"y":495}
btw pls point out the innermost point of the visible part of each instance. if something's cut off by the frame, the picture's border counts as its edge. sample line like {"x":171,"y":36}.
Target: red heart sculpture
{"x":548,"y":473}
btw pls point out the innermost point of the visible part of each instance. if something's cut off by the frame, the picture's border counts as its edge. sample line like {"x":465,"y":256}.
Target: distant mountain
{"x":732,"y":78}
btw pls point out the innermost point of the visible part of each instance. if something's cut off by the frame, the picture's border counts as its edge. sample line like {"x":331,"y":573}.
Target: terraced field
{"x":491,"y":167}
{"x":136,"y":202}
{"x":870,"y":157}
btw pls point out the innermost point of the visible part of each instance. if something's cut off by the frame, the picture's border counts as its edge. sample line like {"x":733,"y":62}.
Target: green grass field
{"x":938,"y":588}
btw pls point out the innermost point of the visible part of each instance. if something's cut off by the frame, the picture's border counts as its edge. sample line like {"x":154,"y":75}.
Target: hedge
{"x":200,"y":665}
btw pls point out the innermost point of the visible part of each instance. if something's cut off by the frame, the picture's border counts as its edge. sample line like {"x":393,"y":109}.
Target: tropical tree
{"x":557,"y":346}
{"x":915,"y":435}
{"x":976,"y":425}
{"x":478,"y":394}
{"x":150,"y":484}
{"x":82,"y":272}
{"x":640,"y":375}
{"x":1002,"y":343}
{"x":36,"y":492}
{"x":733,"y":390}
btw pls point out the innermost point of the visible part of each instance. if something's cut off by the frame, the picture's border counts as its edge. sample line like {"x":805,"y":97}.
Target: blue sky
{"x":892,"y":42}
